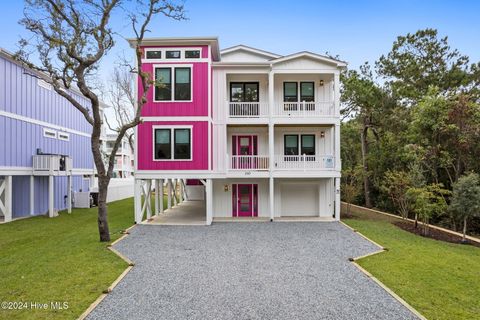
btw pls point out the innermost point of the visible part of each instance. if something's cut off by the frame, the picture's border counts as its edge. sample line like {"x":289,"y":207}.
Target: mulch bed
{"x":433,"y":233}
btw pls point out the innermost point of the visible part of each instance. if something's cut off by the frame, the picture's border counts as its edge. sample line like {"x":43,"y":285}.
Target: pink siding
{"x":199,"y":147}
{"x":198,"y":106}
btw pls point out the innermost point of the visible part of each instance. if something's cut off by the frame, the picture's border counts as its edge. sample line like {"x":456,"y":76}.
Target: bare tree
{"x":71,"y":37}
{"x":121,"y":97}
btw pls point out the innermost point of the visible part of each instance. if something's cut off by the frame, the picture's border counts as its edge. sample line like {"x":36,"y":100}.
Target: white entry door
{"x":299,"y":199}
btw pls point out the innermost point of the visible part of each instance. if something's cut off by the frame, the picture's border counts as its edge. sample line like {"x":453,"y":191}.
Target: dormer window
{"x":192,"y":54}
{"x":153,"y":54}
{"x":170,"y":54}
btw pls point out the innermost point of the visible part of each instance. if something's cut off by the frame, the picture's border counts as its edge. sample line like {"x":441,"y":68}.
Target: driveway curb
{"x":381,"y":284}
{"x":114,"y":283}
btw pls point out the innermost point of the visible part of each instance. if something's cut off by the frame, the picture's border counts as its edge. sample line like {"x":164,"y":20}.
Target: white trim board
{"x":41,"y":123}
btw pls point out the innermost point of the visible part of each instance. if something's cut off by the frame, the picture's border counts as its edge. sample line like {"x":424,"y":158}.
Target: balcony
{"x":305,"y":109}
{"x":304,"y":162}
{"x":248,"y":163}
{"x":247,"y":109}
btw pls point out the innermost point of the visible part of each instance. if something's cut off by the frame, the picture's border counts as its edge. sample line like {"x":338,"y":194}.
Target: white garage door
{"x":299,"y":200}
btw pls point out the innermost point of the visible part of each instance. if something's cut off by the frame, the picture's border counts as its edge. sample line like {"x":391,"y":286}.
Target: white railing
{"x":251,"y":163}
{"x":52,"y":163}
{"x":304,"y":162}
{"x":247,"y":109}
{"x":305,"y":109}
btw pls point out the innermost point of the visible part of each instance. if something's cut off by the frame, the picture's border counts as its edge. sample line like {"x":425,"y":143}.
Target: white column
{"x":336,"y":93}
{"x":69,"y":194}
{"x":271,"y":147}
{"x":148,"y":198}
{"x":8,"y":199}
{"x":337,"y":199}
{"x":271,"y":198}
{"x":174,"y":192}
{"x":209,"y":201}
{"x":160,"y":195}
{"x":92,"y":182}
{"x":270,"y":93}
{"x":157,"y":197}
{"x":338,"y":159}
{"x":50,"y":196}
{"x":169,"y":193}
{"x":32,"y":195}
{"x":137,"y":198}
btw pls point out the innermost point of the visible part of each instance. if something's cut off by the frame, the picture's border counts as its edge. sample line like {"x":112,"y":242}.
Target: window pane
{"x":290,"y":92}
{"x":236,"y":92}
{"x":163,"y":147}
{"x":163,"y":84}
{"x":307,"y":91}
{"x":182,"y":144}
{"x":173,"y":54}
{"x":154,"y":54}
{"x":251,"y":92}
{"x":308,"y":145}
{"x":189,"y":54}
{"x":291,"y":145}
{"x":182,"y":84}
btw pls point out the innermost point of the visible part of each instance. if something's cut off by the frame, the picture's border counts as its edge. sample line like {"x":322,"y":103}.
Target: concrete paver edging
{"x":114,"y":283}
{"x":381,"y":284}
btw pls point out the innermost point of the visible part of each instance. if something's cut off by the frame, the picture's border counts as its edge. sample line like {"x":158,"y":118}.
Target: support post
{"x":338,"y":159}
{"x":137,"y":198}
{"x":209,"y":201}
{"x":148,"y":198}
{"x":337,"y":199}
{"x":50,"y":197}
{"x":271,"y":198}
{"x":174,"y":192}
{"x":157,"y":197}
{"x":32,"y":195}
{"x":92,"y":182}
{"x":169,"y":193}
{"x":8,"y":215}
{"x":161,"y":195}
{"x":69,"y":194}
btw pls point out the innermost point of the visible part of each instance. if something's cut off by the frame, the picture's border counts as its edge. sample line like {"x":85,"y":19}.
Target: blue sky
{"x":358,"y":31}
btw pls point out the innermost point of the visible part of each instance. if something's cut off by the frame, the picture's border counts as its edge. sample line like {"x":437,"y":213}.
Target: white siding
{"x":322,"y":93}
{"x":244,"y":56}
{"x":324,"y":195}
{"x":323,"y":146}
{"x":222,"y":200}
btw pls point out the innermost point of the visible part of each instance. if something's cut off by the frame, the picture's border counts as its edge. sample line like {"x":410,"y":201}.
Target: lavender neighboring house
{"x":45,"y":152}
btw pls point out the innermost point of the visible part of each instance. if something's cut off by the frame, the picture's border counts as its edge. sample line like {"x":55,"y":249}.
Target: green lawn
{"x":441,"y":280}
{"x":59,"y":259}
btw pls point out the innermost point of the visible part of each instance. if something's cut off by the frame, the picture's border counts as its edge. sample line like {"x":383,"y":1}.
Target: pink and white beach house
{"x":249,"y":132}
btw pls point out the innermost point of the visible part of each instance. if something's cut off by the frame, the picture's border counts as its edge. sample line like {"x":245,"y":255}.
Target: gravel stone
{"x":284,"y":270}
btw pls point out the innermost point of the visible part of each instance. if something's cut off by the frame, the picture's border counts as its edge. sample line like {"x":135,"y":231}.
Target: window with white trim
{"x":49,"y":133}
{"x":165,"y":54}
{"x":172,"y":144}
{"x":64,"y":136}
{"x":173,"y":84}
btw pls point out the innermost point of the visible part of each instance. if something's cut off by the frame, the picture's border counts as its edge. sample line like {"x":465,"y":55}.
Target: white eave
{"x":314,"y":56}
{"x":176,"y":41}
{"x":250,"y":49}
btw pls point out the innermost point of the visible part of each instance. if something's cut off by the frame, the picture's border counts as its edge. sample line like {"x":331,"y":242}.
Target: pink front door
{"x":244,"y":150}
{"x":244,"y":198}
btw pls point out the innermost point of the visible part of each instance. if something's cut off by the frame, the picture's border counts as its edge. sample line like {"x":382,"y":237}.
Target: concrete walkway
{"x":288,"y":270}
{"x":185,"y":213}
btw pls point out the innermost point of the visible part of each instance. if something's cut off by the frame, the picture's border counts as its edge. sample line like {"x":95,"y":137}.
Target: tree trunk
{"x":366,"y":181}
{"x":464,"y":229}
{"x":103,"y":229}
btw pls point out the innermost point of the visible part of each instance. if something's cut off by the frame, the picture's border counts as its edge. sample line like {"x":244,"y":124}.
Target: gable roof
{"x":311,"y":55}
{"x":240,"y":47}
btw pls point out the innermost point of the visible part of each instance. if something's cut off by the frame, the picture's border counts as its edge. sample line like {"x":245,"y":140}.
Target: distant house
{"x":123,"y":158}
{"x":45,"y":151}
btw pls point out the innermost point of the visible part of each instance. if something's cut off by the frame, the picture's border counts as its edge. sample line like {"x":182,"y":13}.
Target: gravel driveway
{"x":247,"y":271}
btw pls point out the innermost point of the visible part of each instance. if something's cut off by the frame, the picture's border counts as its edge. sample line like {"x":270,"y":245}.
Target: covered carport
{"x":175,"y":202}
